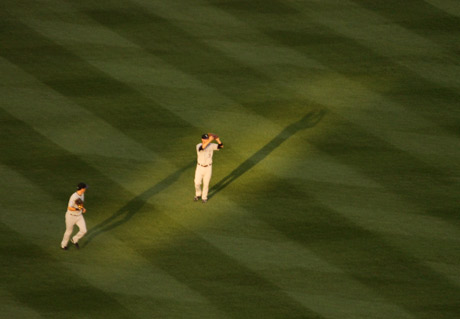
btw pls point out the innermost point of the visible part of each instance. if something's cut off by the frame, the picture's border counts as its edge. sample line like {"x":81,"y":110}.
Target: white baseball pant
{"x":202,"y":174}
{"x":70,"y":222}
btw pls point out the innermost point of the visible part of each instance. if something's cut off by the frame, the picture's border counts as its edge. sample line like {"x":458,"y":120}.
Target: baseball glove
{"x":79,"y":203}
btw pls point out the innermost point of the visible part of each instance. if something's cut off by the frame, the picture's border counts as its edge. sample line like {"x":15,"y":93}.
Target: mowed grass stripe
{"x":410,"y":68}
{"x":236,"y":132}
{"x":428,"y":239}
{"x":259,"y":56}
{"x":225,"y":281}
{"x":433,"y":190}
{"x":324,"y":35}
{"x":182,"y":94}
{"x":31,"y":116}
{"x":390,"y":215}
{"x":224,"y":74}
{"x":307,"y":278}
{"x":362,"y":254}
{"x":214,"y":115}
{"x":240,"y":133}
{"x":450,"y":7}
{"x":13,"y":308}
{"x":375,"y":112}
{"x":392,"y":164}
{"x":257,"y":245}
{"x":64,"y":122}
{"x":269,"y":94}
{"x":177,"y":36}
{"x":228,"y":285}
{"x":143,"y":120}
{"x":206,"y":272}
{"x":130,"y":18}
{"x":107,"y":263}
{"x":273,"y":72}
{"x":55,"y":170}
{"x":81,"y":132}
{"x":419,"y":17}
{"x":330,"y":48}
{"x":36,"y":280}
{"x":428,"y":145}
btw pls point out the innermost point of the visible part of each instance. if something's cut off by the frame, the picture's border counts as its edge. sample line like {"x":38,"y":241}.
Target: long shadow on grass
{"x":308,"y":121}
{"x":230,"y":287}
{"x":127,"y":212}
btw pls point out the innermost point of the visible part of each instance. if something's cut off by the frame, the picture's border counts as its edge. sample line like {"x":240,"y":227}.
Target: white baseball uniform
{"x":203,"y":170}
{"x":73,"y":218}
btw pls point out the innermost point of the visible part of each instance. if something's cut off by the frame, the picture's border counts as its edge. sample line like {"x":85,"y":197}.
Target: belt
{"x":204,"y":165}
{"x":74,"y":215}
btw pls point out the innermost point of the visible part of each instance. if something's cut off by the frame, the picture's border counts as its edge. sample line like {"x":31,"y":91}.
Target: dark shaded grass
{"x":121,"y":106}
{"x":435,"y":102}
{"x":432,"y":101}
{"x":363,"y":255}
{"x":176,"y":46}
{"x":266,"y":7}
{"x":420,"y":17}
{"x":37,"y":280}
{"x":45,"y":164}
{"x":429,"y":188}
{"x":186,"y":52}
{"x":236,"y":290}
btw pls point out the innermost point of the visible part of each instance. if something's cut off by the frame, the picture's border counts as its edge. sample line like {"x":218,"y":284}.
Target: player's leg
{"x":69,"y":223}
{"x":198,"y":179}
{"x":82,"y":226}
{"x":206,"y":180}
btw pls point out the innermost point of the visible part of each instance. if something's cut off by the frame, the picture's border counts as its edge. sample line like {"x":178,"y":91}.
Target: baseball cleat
{"x":204,"y":201}
{"x":76,"y":244}
{"x":64,"y":248}
{"x":196,"y":198}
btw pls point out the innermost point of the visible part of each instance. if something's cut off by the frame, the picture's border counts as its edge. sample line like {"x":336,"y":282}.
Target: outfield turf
{"x":337,"y":195}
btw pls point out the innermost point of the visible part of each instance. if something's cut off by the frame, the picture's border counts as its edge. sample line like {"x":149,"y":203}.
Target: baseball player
{"x":203,"y":172}
{"x":74,"y":216}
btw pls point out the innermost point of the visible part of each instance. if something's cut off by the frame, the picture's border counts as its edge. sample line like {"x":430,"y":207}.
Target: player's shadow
{"x":308,"y":121}
{"x":125,"y":213}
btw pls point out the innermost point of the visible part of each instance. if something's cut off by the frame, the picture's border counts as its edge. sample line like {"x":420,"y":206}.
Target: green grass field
{"x":337,"y":195}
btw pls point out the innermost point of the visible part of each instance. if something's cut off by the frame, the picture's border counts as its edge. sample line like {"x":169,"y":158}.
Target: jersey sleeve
{"x":72,"y":200}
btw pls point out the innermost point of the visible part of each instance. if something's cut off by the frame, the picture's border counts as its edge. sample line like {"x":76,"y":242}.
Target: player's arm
{"x":217,"y":139}
{"x":206,"y":143}
{"x":78,"y":205}
{"x":72,"y":209}
{"x":219,"y":143}
{"x":76,"y":209}
{"x":82,"y":209}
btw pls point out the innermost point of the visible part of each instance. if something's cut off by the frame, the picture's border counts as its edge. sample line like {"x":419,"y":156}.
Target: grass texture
{"x":336,"y":195}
